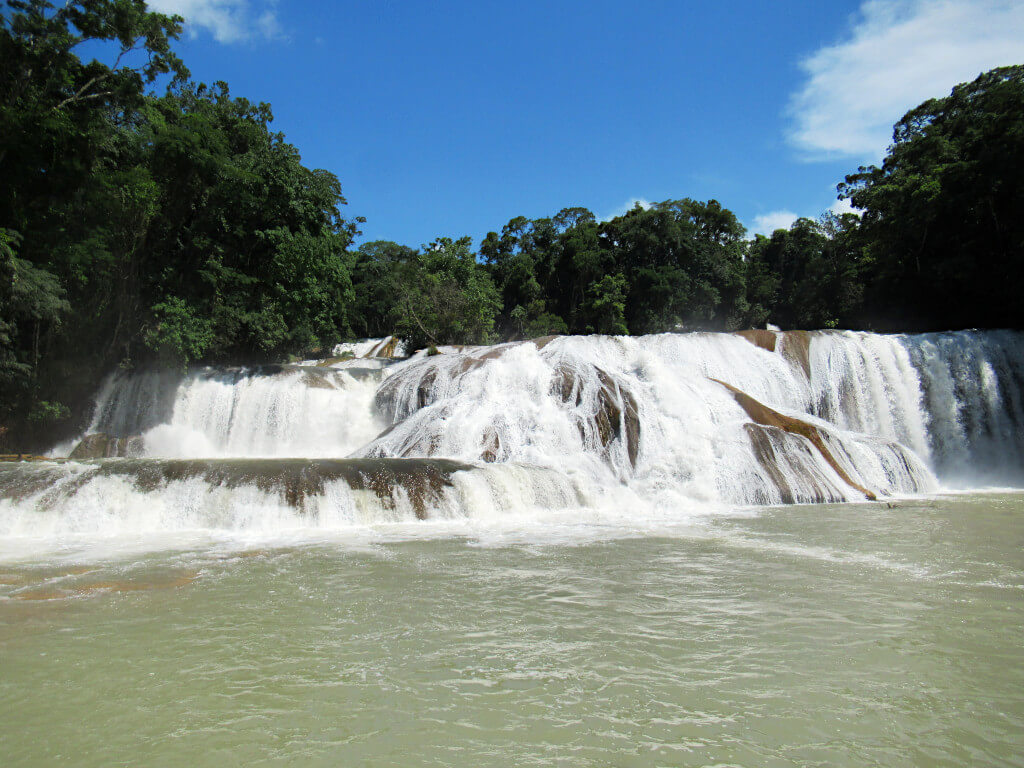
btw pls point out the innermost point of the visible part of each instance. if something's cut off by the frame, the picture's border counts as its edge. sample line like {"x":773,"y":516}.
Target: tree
{"x":606,"y":306}
{"x":376,"y":270}
{"x":445,"y":297}
{"x":30,"y":300}
{"x":942,"y":231}
{"x":59,"y":121}
{"x":137,"y":228}
{"x":807,"y":276}
{"x":55,"y":108}
{"x":684,"y":263}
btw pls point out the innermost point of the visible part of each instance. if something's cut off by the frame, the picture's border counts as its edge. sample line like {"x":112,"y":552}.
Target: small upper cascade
{"x":386,"y":347}
{"x":271,"y":411}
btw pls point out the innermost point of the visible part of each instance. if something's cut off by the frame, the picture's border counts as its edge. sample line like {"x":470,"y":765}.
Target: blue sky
{"x":450,"y":118}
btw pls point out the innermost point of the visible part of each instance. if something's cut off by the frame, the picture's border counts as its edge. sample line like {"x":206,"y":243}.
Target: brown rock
{"x":543,"y":341}
{"x":617,"y":416}
{"x":796,"y":347}
{"x":492,"y":446}
{"x":760,"y":338}
{"x":103,"y":446}
{"x":760,"y":413}
{"x":385,"y":349}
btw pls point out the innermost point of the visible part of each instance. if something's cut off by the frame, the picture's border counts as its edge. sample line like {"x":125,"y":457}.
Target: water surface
{"x":801,"y":636}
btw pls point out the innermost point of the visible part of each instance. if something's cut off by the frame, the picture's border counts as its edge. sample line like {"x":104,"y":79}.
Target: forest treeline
{"x":175,"y":227}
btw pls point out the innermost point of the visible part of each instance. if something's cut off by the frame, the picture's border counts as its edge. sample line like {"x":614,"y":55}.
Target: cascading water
{"x":954,"y":398}
{"x":279,"y":411}
{"x":670,"y":424}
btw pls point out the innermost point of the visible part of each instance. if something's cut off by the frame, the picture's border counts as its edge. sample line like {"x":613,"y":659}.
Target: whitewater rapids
{"x":667,"y":425}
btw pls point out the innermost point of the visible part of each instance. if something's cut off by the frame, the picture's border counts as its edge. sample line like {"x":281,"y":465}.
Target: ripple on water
{"x":804,"y":636}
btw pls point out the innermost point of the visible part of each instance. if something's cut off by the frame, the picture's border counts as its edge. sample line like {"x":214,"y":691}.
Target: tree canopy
{"x":942,"y":230}
{"x":177,"y":228}
{"x":140,"y":228}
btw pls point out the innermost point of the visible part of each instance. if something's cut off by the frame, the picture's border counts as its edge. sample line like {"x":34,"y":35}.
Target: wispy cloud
{"x":839,"y":207}
{"x":229,"y":21}
{"x":898,"y":54}
{"x":767,"y":223}
{"x":627,"y":206}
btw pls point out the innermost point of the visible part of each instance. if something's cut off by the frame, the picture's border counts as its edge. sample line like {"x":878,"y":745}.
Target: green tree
{"x":60,"y":118}
{"x":605,"y":307}
{"x":684,"y":263}
{"x":377,"y":267}
{"x":138,"y":228}
{"x":807,"y":276}
{"x":942,"y":230}
{"x":31,"y":301}
{"x":445,"y":297}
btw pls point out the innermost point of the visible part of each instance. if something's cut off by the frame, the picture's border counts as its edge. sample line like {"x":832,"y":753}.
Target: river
{"x":809,"y":635}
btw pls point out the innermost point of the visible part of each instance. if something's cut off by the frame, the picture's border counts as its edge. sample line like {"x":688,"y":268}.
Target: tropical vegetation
{"x":146,"y":219}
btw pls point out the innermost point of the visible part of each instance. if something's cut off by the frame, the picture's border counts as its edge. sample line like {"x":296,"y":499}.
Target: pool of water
{"x":832,"y":635}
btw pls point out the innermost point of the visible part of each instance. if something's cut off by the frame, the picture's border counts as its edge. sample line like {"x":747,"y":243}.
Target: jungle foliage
{"x":176,"y":228}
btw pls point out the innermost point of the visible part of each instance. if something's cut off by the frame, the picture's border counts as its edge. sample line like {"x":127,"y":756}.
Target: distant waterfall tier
{"x":666,"y":422}
{"x":270,"y":411}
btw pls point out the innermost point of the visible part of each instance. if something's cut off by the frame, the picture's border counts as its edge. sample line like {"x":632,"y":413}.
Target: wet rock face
{"x":19,"y":480}
{"x":491,"y":446}
{"x":327,"y":362}
{"x":761,"y":414}
{"x":406,"y":392}
{"x":421,"y":481}
{"x":320,"y":378}
{"x":103,"y":446}
{"x":796,"y":348}
{"x":616,"y":416}
{"x":387,"y":348}
{"x":766,"y":340}
{"x":764,"y":440}
{"x":605,"y":411}
{"x":421,"y":384}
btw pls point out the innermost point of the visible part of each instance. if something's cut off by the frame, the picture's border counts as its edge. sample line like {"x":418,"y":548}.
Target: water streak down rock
{"x":761,"y":414}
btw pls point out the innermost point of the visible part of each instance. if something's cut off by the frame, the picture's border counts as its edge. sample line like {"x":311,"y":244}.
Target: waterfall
{"x":953,"y":398}
{"x":972,"y":384}
{"x":273,"y":411}
{"x":669,"y":424}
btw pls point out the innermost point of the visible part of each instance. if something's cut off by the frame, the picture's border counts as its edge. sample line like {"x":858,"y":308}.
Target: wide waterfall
{"x":670,"y":425}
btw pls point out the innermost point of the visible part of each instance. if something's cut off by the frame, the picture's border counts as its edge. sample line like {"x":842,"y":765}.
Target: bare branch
{"x":99,"y":95}
{"x":78,"y":96}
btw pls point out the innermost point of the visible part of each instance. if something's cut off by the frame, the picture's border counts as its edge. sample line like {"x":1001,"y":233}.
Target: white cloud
{"x":627,"y":206}
{"x":839,"y":207}
{"x":229,"y":21}
{"x":767,"y":223}
{"x":898,"y":54}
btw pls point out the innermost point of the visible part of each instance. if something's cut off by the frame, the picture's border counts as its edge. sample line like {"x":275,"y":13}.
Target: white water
{"x":634,"y":425}
{"x":297,"y":411}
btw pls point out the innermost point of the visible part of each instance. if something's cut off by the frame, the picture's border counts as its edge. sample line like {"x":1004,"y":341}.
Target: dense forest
{"x":146,"y":219}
